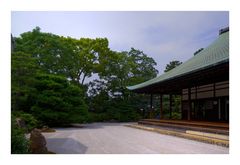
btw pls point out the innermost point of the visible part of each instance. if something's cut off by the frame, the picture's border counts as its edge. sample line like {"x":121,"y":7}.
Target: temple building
{"x":202,"y":82}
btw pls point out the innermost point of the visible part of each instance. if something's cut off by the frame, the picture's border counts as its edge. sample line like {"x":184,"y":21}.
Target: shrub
{"x":175,"y":115}
{"x":58,"y":102}
{"x":126,"y":111}
{"x":98,"y":117}
{"x":19,"y":143}
{"x":30,"y":121}
{"x":116,"y":110}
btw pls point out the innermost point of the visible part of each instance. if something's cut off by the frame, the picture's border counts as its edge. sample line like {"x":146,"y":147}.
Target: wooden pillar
{"x":182,"y":106}
{"x":218,"y":102}
{"x":161,"y":107}
{"x":151,"y":101}
{"x":170,"y":106}
{"x":189,"y":104}
{"x":195,"y":105}
{"x":151,"y":106}
{"x":219,"y":109}
{"x":214,"y":91}
{"x":143,"y":113}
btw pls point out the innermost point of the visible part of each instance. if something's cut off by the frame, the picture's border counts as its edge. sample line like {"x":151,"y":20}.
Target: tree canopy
{"x":73,"y":58}
{"x":49,"y":73}
{"x":172,"y":65}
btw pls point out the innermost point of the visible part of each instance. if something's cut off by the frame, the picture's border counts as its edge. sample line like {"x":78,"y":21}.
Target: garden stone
{"x":37,"y":142}
{"x":20,"y":123}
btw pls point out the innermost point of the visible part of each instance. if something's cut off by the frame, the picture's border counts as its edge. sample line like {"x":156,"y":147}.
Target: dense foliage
{"x":23,"y":71}
{"x":49,"y":71}
{"x":172,"y":65}
{"x":58,"y":102}
{"x":30,"y":122}
{"x":19,"y":144}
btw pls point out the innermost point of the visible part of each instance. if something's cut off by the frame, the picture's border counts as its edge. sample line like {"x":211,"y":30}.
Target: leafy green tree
{"x":126,"y":68}
{"x":88,"y":53}
{"x":142,"y":66}
{"x":48,"y":73}
{"x":172,"y":65}
{"x":98,"y":98}
{"x":116,"y":73}
{"x":118,"y":70}
{"x":23,"y":69}
{"x":45,"y":47}
{"x":176,"y":99}
{"x":51,"y":98}
{"x":73,"y":58}
{"x":57,"y":101}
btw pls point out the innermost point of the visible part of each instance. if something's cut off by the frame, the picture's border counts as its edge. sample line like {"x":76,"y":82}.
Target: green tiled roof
{"x":214,"y":54}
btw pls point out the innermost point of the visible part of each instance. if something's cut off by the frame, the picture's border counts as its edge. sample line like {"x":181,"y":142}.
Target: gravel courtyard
{"x":115,"y":138}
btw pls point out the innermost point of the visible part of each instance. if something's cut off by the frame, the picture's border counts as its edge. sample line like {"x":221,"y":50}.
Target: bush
{"x":30,"y":121}
{"x":126,"y":111}
{"x":116,"y":110}
{"x":175,"y":116}
{"x":19,"y":143}
{"x":58,"y":102}
{"x":98,"y":117}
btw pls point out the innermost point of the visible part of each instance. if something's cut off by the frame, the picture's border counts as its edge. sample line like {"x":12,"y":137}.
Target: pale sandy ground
{"x":115,"y":138}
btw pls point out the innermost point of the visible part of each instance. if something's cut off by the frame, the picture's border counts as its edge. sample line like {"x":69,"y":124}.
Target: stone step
{"x":199,"y":137}
{"x":192,"y":123}
{"x":186,"y":127}
{"x":210,"y":135}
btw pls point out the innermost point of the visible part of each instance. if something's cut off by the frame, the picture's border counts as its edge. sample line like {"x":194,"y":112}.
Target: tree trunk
{"x":83,"y":79}
{"x":79,"y":75}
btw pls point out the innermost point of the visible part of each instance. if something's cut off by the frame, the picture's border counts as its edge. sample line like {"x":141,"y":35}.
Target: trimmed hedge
{"x":58,"y":102}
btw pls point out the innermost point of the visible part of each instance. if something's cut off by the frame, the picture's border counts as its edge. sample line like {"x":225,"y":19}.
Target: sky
{"x":162,"y":35}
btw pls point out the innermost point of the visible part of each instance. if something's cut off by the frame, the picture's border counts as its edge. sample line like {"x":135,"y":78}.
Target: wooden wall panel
{"x":222,"y":92}
{"x":206,"y":91}
{"x":207,"y":94}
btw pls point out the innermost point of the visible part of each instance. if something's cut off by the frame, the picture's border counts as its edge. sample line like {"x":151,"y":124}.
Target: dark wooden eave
{"x":209,"y":75}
